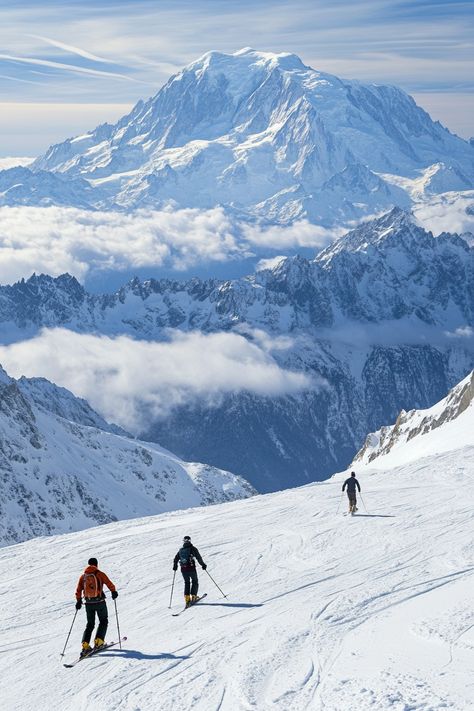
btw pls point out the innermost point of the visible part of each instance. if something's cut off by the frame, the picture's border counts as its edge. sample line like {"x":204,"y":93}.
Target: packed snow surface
{"x":324,"y":611}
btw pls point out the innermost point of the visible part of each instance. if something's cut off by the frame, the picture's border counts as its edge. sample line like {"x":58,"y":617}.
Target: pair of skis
{"x":198,"y":599}
{"x":93,"y":652}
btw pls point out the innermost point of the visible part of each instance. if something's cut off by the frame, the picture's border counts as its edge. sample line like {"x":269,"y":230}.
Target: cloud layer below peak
{"x":89,"y":244}
{"x":132,"y":382}
{"x":55,"y":240}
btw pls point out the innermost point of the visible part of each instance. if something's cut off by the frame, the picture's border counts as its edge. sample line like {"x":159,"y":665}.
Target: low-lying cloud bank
{"x":14,"y":161}
{"x":131,"y":381}
{"x":409,"y":331}
{"x":449,"y":212}
{"x":59,"y":239}
{"x":87,"y":243}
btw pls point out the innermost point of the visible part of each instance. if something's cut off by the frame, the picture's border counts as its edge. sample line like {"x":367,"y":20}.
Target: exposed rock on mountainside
{"x":416,"y":423}
{"x":383,"y":318}
{"x":63,"y":468}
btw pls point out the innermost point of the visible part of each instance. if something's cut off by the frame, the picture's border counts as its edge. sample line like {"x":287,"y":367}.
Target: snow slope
{"x":63,"y":468}
{"x":324,"y":612}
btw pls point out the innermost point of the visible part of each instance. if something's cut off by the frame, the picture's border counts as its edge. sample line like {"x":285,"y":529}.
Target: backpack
{"x":186,"y":557}
{"x":91,"y":586}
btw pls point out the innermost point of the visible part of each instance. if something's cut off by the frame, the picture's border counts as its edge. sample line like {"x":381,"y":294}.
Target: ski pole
{"x":216,"y":584}
{"x":365,"y":507}
{"x":67,"y":640}
{"x":340,"y":502}
{"x":118,"y":628}
{"x":172,"y":588}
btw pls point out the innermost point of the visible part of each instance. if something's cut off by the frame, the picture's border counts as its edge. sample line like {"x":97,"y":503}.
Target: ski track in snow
{"x":324,"y":612}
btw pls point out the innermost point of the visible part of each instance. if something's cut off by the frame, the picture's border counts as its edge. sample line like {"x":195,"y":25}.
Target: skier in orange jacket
{"x":91,"y":586}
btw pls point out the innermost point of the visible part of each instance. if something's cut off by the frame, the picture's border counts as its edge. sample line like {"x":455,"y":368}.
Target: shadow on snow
{"x":135,"y":654}
{"x":230,"y":604}
{"x":360,"y":515}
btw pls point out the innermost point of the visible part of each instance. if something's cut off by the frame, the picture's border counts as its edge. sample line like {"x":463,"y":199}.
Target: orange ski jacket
{"x":101,"y":577}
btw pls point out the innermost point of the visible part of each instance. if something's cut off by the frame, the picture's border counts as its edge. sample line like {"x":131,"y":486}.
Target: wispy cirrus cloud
{"x":424,"y":48}
{"x":71,"y":49}
{"x":74,"y":68}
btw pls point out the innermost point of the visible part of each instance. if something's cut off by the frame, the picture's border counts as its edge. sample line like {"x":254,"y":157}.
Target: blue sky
{"x":66,"y":66}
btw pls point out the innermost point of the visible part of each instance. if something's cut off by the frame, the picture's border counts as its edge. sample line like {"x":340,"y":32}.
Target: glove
{"x":175,"y":568}
{"x":114,"y":594}
{"x":78,"y":604}
{"x":204,"y":566}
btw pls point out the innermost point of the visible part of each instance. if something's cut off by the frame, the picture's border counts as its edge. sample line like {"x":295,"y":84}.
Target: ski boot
{"x":193,"y":599}
{"x":187,"y":600}
{"x":98,"y":644}
{"x":86,"y":649}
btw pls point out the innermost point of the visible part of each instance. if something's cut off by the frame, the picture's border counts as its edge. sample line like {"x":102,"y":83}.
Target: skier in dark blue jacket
{"x":351,"y":484}
{"x":186,"y":557}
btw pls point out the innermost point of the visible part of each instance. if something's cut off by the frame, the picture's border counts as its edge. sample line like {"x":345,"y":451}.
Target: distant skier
{"x":351,"y":484}
{"x":185,"y":557}
{"x":91,"y":585}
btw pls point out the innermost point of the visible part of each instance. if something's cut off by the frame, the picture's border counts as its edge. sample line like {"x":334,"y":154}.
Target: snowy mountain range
{"x":63,"y":468}
{"x":323,"y":611}
{"x":380,"y":321}
{"x":263,"y":135}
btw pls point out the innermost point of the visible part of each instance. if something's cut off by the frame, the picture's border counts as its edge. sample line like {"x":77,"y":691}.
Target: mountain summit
{"x":266,"y":136}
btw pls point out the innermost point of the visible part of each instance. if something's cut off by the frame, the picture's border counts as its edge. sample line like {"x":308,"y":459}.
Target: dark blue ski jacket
{"x":351,"y":484}
{"x":191,"y":565}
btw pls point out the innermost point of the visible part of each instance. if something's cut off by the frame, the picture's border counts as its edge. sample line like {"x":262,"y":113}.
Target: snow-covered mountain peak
{"x":263,"y":134}
{"x":247,"y":60}
{"x":375,"y":232}
{"x":416,"y":430}
{"x":396,"y":233}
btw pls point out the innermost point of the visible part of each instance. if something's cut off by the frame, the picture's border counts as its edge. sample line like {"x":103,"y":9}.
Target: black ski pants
{"x":191,"y":583}
{"x":102,"y":614}
{"x":352,"y":496}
